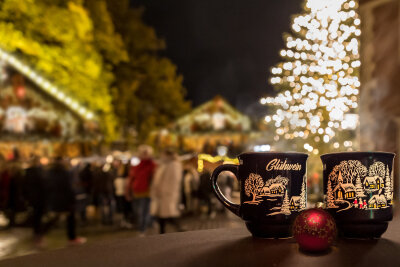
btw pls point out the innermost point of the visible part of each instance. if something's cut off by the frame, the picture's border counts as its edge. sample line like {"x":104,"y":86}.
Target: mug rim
{"x":358,"y":153}
{"x":290,"y":153}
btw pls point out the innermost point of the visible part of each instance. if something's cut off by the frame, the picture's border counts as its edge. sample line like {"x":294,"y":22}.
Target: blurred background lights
{"x":45,"y":85}
{"x":135,"y":161}
{"x":222,"y":150}
{"x":318,"y":80}
{"x":262,"y":148}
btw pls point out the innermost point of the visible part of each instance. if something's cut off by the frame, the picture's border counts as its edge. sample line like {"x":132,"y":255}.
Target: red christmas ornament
{"x":314,"y":230}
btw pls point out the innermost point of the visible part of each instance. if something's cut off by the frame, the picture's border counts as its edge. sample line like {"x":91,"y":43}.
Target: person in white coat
{"x":165,"y":191}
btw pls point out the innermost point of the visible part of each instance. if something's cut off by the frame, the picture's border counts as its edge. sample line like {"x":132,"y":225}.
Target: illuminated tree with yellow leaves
{"x":149,"y":91}
{"x":318,"y":81}
{"x":98,"y":58}
{"x":57,"y":39}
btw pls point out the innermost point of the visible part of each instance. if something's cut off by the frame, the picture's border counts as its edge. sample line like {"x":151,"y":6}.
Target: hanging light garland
{"x":47,"y":86}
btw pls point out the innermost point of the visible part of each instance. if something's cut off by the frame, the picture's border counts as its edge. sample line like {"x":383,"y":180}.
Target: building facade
{"x":380,"y":83}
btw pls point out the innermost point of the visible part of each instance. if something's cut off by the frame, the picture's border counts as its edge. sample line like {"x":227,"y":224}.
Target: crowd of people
{"x":145,"y":192}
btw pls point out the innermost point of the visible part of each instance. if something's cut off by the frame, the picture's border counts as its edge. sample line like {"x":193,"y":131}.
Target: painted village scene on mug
{"x":274,"y":194}
{"x":353,"y":185}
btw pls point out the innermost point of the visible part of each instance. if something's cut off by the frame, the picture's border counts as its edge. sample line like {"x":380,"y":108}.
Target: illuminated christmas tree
{"x":317,"y":82}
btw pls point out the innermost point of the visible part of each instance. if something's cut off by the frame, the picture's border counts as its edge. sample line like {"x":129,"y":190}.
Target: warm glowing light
{"x":262,"y":148}
{"x":45,"y":85}
{"x":318,"y":82}
{"x":210,"y":158}
{"x":336,"y":145}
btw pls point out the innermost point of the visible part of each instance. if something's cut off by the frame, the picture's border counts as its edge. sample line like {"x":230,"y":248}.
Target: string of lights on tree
{"x":46,"y":85}
{"x":318,"y":82}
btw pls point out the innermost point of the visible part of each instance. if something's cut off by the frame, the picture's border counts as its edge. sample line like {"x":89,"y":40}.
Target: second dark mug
{"x":358,"y":189}
{"x":272,"y":191}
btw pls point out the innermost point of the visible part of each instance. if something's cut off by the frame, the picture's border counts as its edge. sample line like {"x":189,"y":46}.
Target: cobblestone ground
{"x":18,"y":241}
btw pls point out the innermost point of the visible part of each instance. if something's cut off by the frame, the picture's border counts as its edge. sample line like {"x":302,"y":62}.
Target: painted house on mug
{"x":277,"y":189}
{"x":373,"y":183}
{"x":345,"y":191}
{"x":294,"y":204}
{"x":266,"y":190}
{"x":377,"y":201}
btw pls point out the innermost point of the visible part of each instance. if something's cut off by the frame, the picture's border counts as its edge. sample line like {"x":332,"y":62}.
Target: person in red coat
{"x":138,"y":189}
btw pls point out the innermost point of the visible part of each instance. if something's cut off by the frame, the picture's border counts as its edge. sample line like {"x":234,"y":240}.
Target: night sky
{"x":223,"y":47}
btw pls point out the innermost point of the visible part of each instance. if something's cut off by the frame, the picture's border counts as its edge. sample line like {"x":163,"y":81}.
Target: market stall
{"x":36,"y":117}
{"x":214,"y":128}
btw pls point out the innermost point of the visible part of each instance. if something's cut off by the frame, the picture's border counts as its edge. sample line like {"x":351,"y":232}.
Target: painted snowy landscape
{"x":274,"y":194}
{"x":353,"y":185}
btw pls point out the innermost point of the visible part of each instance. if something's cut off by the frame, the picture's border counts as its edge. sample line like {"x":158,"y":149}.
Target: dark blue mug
{"x":273,"y":191}
{"x":358,"y":188}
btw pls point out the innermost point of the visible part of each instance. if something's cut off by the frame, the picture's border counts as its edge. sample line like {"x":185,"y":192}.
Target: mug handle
{"x":227,"y":203}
